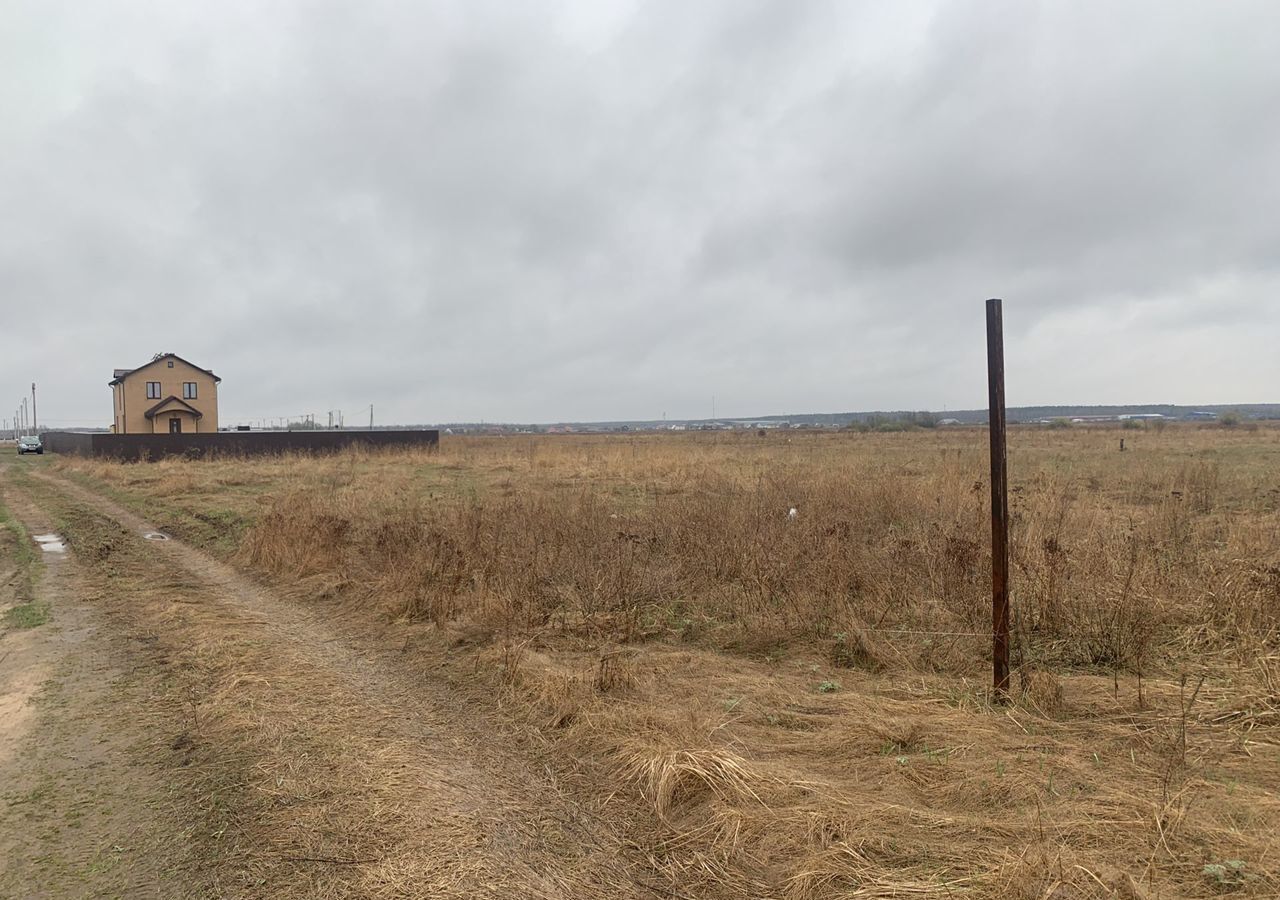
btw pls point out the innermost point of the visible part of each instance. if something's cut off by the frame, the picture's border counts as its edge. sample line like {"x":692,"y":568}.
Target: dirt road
{"x":81,"y":811}
{"x":176,"y":729}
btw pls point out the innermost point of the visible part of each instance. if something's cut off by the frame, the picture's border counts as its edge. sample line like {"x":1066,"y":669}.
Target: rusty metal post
{"x":999,"y":502}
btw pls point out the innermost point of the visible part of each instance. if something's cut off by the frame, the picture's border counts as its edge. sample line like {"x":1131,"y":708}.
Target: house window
{"x":170,"y":364}
{"x":153,"y":390}
{"x":188,"y":390}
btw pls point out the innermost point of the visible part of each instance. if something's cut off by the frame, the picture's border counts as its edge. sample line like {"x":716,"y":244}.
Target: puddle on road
{"x":155,"y":536}
{"x":51,"y":543}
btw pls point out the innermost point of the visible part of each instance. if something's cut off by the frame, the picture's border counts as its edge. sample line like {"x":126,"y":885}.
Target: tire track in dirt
{"x":427,"y":799}
{"x":81,"y":813}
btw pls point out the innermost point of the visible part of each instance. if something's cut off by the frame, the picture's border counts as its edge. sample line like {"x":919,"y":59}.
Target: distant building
{"x":166,"y":396}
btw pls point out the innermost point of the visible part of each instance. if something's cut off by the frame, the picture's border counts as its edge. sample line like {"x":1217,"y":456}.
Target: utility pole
{"x":35,"y":423}
{"x":999,"y":503}
{"x":371,"y":417}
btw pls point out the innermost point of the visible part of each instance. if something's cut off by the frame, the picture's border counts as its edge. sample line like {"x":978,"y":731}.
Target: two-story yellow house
{"x":166,"y":396}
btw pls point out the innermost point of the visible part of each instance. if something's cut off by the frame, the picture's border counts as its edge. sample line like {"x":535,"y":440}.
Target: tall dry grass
{"x":844,"y":745}
{"x":882,"y":561}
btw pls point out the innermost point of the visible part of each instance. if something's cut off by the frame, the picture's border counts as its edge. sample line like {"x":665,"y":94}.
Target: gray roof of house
{"x":118,"y":374}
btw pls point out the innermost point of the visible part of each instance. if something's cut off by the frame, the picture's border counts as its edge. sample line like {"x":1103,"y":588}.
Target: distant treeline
{"x":1031,"y":414}
{"x":890,"y":419}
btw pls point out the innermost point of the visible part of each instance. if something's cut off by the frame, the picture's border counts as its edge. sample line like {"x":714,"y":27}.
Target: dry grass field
{"x":797,"y":706}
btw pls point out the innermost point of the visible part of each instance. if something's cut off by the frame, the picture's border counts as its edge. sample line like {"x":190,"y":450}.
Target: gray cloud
{"x":597,"y":210}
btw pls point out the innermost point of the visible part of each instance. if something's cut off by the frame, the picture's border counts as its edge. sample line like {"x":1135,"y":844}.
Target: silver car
{"x":30,"y":444}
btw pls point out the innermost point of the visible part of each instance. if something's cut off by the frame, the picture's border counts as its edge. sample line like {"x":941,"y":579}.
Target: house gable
{"x":172,"y":404}
{"x":119,"y":375}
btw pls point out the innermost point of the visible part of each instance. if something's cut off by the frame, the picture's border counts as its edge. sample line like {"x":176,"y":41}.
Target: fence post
{"x":999,"y":502}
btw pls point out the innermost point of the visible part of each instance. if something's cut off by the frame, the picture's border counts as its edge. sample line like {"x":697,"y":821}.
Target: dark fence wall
{"x":228,"y":443}
{"x":74,"y":442}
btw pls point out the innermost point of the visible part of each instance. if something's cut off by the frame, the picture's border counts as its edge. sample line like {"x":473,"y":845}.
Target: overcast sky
{"x":599,"y":210}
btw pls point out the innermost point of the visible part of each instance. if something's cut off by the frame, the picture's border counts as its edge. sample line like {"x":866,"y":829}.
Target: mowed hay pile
{"x":800,"y":700}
